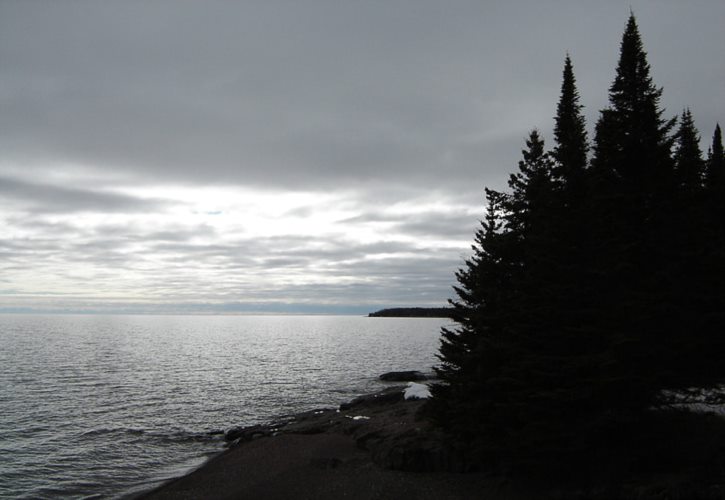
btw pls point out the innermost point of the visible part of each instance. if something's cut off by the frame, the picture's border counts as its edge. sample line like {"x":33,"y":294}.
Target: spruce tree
{"x":570,"y":134}
{"x":501,"y":362}
{"x":688,"y":263}
{"x":473,"y":353}
{"x":569,"y":221}
{"x":595,"y":292}
{"x":532,"y":188}
{"x":633,"y":204}
{"x":632,"y":139}
{"x":715,"y":173}
{"x":712,"y":284}
{"x":689,"y":165}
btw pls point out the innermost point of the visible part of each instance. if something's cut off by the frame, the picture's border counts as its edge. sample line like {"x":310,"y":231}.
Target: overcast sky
{"x":293,"y":156}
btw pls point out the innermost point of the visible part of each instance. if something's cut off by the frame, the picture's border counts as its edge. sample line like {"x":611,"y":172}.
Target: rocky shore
{"x":377,"y":446}
{"x":373,"y":447}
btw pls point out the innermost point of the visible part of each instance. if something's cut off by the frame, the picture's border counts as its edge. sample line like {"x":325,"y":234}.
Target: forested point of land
{"x":590,"y":318}
{"x":413,"y":312}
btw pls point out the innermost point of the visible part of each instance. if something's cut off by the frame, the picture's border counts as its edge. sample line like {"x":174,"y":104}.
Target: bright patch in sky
{"x":216,"y":247}
{"x":309,"y":156}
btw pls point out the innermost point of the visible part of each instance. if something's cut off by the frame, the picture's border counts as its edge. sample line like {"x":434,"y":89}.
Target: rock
{"x":242,"y":434}
{"x":404,"y":376}
{"x":390,"y":395}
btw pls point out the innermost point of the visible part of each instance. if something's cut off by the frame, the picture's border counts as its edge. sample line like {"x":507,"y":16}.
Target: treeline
{"x":594,"y":295}
{"x":413,"y":312}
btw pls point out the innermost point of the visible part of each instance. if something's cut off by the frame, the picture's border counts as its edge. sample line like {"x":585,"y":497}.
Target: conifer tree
{"x":634,"y":204}
{"x":472,"y":353}
{"x":689,"y":165}
{"x":687,"y":262}
{"x":632,"y":139}
{"x":488,"y":395}
{"x":593,"y":292}
{"x":712,"y":265}
{"x":569,"y":221}
{"x":715,"y":173}
{"x":570,"y":134}
{"x":532,"y":187}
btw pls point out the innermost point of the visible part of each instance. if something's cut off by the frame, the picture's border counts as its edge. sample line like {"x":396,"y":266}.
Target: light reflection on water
{"x":106,"y":405}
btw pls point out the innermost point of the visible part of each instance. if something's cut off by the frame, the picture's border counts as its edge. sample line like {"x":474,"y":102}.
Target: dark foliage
{"x":715,"y":176}
{"x":570,"y":134}
{"x":594,"y":295}
{"x":689,"y":165}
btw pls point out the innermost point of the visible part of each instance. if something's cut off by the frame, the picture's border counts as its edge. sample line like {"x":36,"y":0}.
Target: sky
{"x":173,"y":156}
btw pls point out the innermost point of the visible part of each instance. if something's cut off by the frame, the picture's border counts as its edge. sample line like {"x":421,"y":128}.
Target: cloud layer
{"x":316,"y":156}
{"x":224,"y":250}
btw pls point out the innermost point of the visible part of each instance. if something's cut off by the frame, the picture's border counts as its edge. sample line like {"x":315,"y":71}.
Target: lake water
{"x":107,"y":406}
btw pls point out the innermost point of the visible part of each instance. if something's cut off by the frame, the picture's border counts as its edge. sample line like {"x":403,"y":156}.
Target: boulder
{"x":390,"y":395}
{"x":247,"y":433}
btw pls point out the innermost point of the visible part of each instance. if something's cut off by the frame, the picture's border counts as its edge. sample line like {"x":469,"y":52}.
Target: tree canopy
{"x":594,"y":293}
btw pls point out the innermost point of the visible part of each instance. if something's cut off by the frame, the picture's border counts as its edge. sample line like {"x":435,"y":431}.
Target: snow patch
{"x":416,"y":391}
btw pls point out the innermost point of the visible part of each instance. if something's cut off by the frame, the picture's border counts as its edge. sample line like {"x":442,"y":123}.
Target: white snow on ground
{"x":416,"y":391}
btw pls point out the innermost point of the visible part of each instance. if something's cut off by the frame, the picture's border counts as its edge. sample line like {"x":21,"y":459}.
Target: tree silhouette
{"x":632,"y":202}
{"x":716,"y":162}
{"x":570,"y":134}
{"x":632,"y":139}
{"x":594,"y":294}
{"x":689,"y":165}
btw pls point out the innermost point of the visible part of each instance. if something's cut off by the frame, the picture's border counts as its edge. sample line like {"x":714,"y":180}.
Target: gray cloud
{"x":271,"y":93}
{"x":446,"y":225}
{"x":39,"y":197}
{"x":416,"y":104}
{"x":180,"y":266}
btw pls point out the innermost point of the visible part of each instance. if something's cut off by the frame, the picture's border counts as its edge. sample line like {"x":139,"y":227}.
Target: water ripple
{"x":101,"y":406}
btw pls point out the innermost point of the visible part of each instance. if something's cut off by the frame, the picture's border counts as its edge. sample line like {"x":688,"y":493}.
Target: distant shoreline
{"x":413,"y":312}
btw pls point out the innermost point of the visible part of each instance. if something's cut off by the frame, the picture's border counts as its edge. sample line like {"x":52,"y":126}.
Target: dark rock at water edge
{"x":404,"y":376}
{"x":388,"y":396}
{"x":384,"y":423}
{"x":243,"y":434}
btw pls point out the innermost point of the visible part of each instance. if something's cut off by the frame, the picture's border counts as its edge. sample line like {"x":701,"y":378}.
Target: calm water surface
{"x":106,"y":406}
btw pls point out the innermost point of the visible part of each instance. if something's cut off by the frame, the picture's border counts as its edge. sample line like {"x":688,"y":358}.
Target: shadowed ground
{"x":375,"y":448}
{"x":329,"y":454}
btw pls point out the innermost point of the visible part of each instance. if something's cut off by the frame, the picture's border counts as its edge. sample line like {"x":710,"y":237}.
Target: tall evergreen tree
{"x":473,"y":353}
{"x":500,"y":367}
{"x":632,"y":139}
{"x":688,"y":262}
{"x":712,"y":284}
{"x":593,"y":291}
{"x":532,"y":187}
{"x":689,"y":165}
{"x":569,"y":221}
{"x":570,"y":136}
{"x":633,"y":204}
{"x":715,"y":174}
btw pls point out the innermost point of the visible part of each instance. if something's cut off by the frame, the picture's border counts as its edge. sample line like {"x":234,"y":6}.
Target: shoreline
{"x":374,"y":446}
